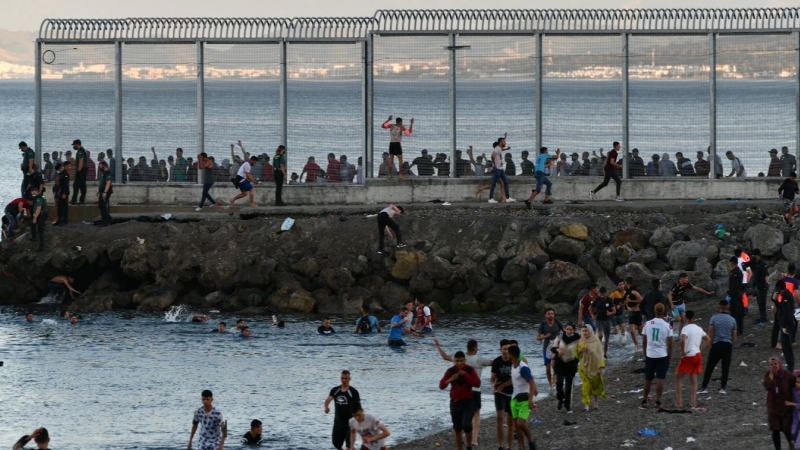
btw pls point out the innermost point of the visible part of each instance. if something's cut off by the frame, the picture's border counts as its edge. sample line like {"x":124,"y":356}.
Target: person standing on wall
{"x":80,"y":172}
{"x":396,"y":133}
{"x":28,"y":157}
{"x":610,"y":170}
{"x":104,"y":191}
{"x":62,"y":194}
{"x":279,"y":163}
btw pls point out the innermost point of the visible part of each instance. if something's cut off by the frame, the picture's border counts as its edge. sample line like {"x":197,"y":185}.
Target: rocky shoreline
{"x":462,"y":259}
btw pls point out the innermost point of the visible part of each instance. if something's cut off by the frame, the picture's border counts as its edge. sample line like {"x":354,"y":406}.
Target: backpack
{"x":364,"y":325}
{"x":433,"y":317}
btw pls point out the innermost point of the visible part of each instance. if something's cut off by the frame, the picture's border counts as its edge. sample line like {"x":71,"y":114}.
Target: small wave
{"x":49,"y":299}
{"x":178,"y":313}
{"x":49,"y":323}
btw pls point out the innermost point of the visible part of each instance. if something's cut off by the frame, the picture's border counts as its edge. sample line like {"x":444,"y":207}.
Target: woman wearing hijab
{"x":779,"y":382}
{"x":565,"y":364}
{"x":590,"y":368}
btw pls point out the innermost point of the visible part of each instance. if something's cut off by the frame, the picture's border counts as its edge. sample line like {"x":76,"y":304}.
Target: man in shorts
{"x":344,"y":397}
{"x":618,"y":298}
{"x":603,"y":309}
{"x":693,"y":341}
{"x":657,"y":343}
{"x":522,"y":397}
{"x":461,"y":378}
{"x":373,"y":432}
{"x":501,"y":384}
{"x":396,"y":133}
{"x":245,"y":181}
{"x":787,"y":192}
{"x":676,"y":296}
{"x":635,"y":319}
{"x":213,"y":429}
{"x":549,"y":329}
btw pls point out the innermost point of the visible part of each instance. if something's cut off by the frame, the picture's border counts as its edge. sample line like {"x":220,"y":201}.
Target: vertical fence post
{"x":201,"y":104}
{"x":38,"y":108}
{"x":626,"y":137}
{"x":284,"y":124}
{"x":369,"y":171}
{"x":452,"y":49}
{"x":797,"y":93}
{"x":365,"y":68}
{"x":539,"y":72}
{"x":712,"y":114}
{"x":118,"y":161}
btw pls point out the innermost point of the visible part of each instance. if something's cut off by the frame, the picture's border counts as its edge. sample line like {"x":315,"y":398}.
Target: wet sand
{"x":733,"y":421}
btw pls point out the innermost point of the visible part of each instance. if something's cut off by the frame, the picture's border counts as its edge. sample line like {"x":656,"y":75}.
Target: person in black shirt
{"x":603,"y":309}
{"x":526,"y":166}
{"x":326,"y":329}
{"x":565,"y":364}
{"x":784,"y":318}
{"x":345,"y":397}
{"x":220,"y":328}
{"x":62,"y":195}
{"x":501,"y":381}
{"x":104,"y":191}
{"x":253,"y":437}
{"x":652,"y":298}
{"x":39,"y":215}
{"x":735,"y":294}
{"x":761,"y":281}
{"x":787,"y":191}
{"x":35,"y":179}
{"x":424,"y":164}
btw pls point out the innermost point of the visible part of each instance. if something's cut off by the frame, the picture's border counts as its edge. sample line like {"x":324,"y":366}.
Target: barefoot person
{"x":677,"y":294}
{"x":522,"y":398}
{"x":245,"y":181}
{"x":693,"y":341}
{"x":657,"y":343}
{"x":345,"y":397}
{"x":373,"y":432}
{"x":212,"y":428}
{"x":385,"y":223}
{"x":461,"y":378}
{"x":396,"y":132}
{"x":59,"y":285}
{"x":543,"y":163}
{"x":610,"y":170}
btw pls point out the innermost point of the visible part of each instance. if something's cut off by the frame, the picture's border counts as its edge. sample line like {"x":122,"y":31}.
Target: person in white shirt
{"x":497,"y":170}
{"x":245,"y":181}
{"x":372,"y":431}
{"x":737,"y":168}
{"x":657,"y":343}
{"x":693,"y":341}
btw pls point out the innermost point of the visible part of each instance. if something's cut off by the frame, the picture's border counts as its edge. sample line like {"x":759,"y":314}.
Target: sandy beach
{"x":733,"y":421}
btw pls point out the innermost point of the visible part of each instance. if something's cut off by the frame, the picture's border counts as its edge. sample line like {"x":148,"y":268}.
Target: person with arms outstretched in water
{"x":396,"y":131}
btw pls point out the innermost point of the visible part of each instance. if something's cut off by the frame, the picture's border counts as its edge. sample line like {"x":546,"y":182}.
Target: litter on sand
{"x":139,"y":240}
{"x":447,"y":204}
{"x":628,"y":443}
{"x":538,"y":422}
{"x":634,"y":392}
{"x":648,"y":432}
{"x":689,"y":440}
{"x":166,"y":216}
{"x":742,"y":364}
{"x":287,"y":224}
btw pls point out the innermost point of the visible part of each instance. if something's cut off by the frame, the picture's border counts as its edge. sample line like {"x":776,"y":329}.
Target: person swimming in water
{"x":239,"y":325}
{"x":200,"y":318}
{"x":326,"y":329}
{"x":277,"y":323}
{"x":73,"y":320}
{"x":220,"y":328}
{"x":245,"y":333}
{"x":29,"y":317}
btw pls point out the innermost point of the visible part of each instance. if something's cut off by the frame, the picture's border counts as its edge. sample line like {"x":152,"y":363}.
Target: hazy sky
{"x":27,"y":15}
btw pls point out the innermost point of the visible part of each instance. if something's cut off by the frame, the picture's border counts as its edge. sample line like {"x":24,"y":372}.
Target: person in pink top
{"x":396,"y":133}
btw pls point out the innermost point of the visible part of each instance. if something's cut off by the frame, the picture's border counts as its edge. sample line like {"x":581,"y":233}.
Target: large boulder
{"x":769,"y":240}
{"x":244,"y":298}
{"x":354,"y":299}
{"x":644,"y":256}
{"x":218,"y":271}
{"x":575,"y":231}
{"x":682,"y":255}
{"x":465,"y":303}
{"x":515,"y":270}
{"x":642,"y":276}
{"x":407,"y":261}
{"x":141,"y":261}
{"x":559,"y":281}
{"x":286,"y":299}
{"x":336,"y":279}
{"x":102,"y":302}
{"x":438,"y":268}
{"x":591,"y":267}
{"x":306,"y":266}
{"x":420,"y":282}
{"x":607,"y":259}
{"x":566,"y":248}
{"x":662,"y":238}
{"x":478,"y":282}
{"x":562,"y":310}
{"x":791,"y":251}
{"x":393,"y":296}
{"x":623,"y":253}
{"x":703,"y":266}
{"x":155,"y":298}
{"x":496,"y":298}
{"x":15,"y":289}
{"x":633,"y":236}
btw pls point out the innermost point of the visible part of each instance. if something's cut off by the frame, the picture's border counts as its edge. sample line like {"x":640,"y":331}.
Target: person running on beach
{"x":549,"y":329}
{"x":424,"y":317}
{"x":398,"y":328}
{"x":253,"y":437}
{"x":657,"y":343}
{"x":585,"y":311}
{"x":502,"y":389}
{"x":344,"y":397}
{"x":497,"y":170}
{"x":478,"y":363}
{"x":522,"y":397}
{"x":326,"y":329}
{"x":461,"y":378}
{"x":104,"y":191}
{"x":39,"y":436}
{"x":213,"y":430}
{"x":373,"y":432}
{"x":543,"y":163}
{"x":722,"y":329}
{"x":787,"y":192}
{"x":618,"y":298}
{"x":603,"y":309}
{"x":565,"y":365}
{"x":206,"y":167}
{"x":385,"y":223}
{"x":367,"y":324}
{"x":610,"y":170}
{"x":245,"y":181}
{"x":677,"y":293}
{"x":635,"y":320}
{"x":396,"y":133}
{"x":693,"y":341}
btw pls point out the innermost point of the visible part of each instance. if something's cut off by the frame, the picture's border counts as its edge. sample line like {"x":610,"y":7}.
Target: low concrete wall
{"x":421,"y":190}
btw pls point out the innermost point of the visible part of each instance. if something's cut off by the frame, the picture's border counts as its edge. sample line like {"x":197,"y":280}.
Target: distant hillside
{"x":16,"y":47}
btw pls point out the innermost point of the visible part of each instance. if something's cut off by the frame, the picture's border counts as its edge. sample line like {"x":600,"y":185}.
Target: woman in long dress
{"x":565,"y":364}
{"x":779,"y":383}
{"x":590,"y":368}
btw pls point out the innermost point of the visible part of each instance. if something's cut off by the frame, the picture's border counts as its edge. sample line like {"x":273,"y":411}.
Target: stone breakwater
{"x":464,"y":259}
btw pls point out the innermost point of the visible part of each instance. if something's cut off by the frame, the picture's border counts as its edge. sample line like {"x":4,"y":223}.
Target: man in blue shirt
{"x":543,"y":162}
{"x":366,"y":324}
{"x":398,"y":328}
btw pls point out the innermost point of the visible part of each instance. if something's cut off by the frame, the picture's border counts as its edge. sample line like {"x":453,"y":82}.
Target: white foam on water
{"x":49,"y":323}
{"x":177,"y":314}
{"x":49,"y":299}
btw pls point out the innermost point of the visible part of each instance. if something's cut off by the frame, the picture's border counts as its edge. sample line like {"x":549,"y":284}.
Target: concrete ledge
{"x":422,"y":190}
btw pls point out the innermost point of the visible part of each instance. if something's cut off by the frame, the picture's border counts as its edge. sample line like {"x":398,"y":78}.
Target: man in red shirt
{"x":461,"y":378}
{"x":311,"y":169}
{"x":610,"y":170}
{"x":268,"y":172}
{"x":333,"y":169}
{"x":585,"y":313}
{"x":13,"y":210}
